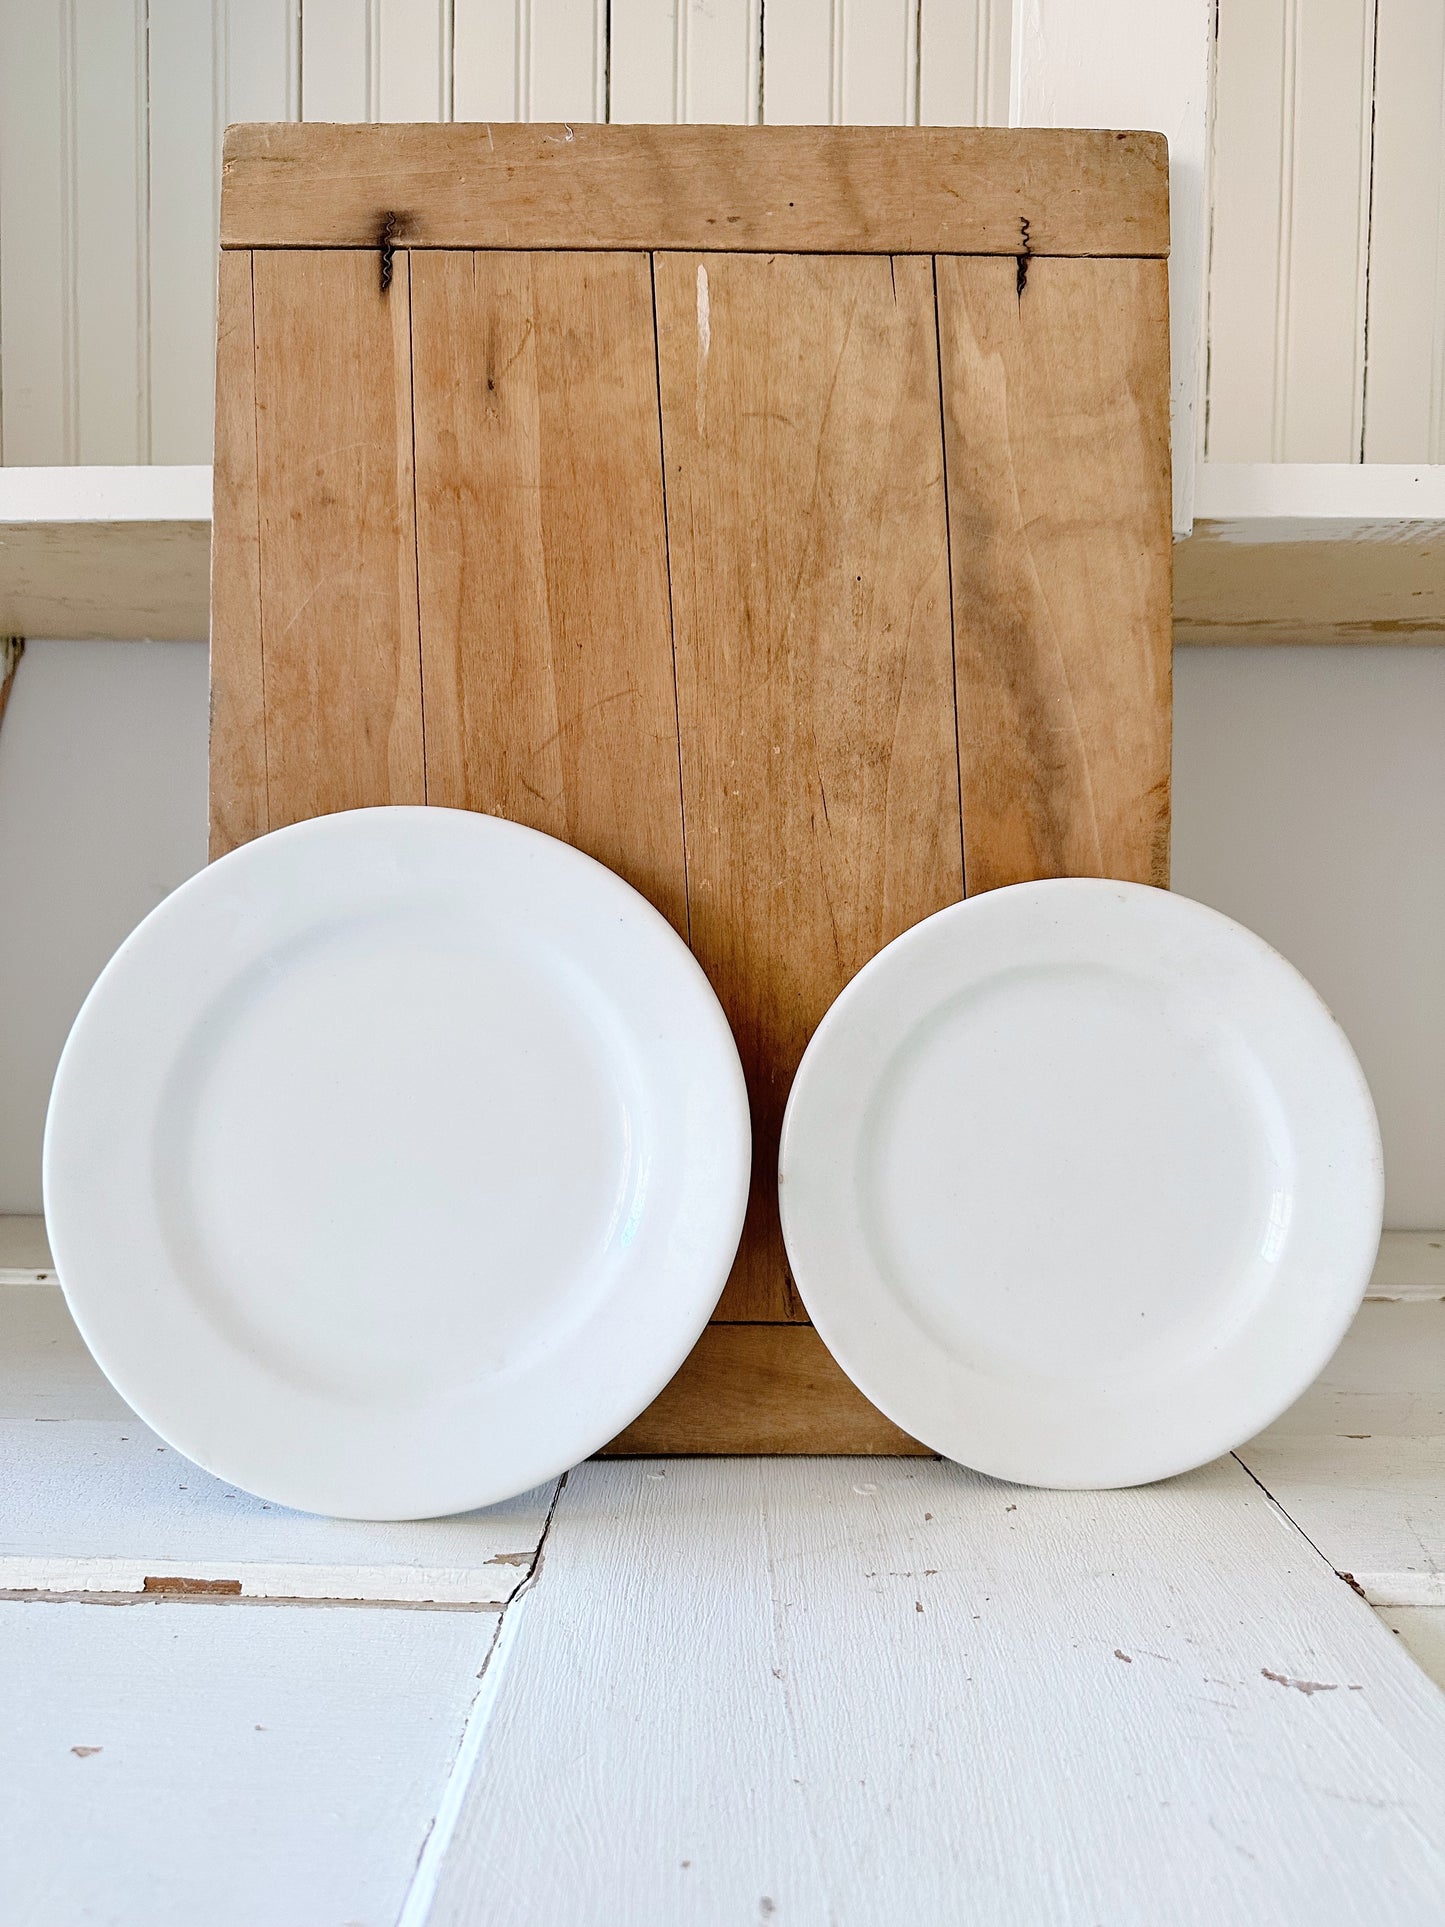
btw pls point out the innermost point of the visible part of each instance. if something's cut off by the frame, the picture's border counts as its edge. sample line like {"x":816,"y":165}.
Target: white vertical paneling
{"x":37,"y":400}
{"x":1250,"y":194}
{"x":181,"y":57}
{"x":339,"y":65}
{"x":1134,"y":63}
{"x":258,"y":54}
{"x":207,"y":65}
{"x":530,"y":60}
{"x":1405,"y":376}
{"x":376,"y":60}
{"x":963,"y":63}
{"x":686,"y":60}
{"x":880,"y":63}
{"x":108,"y":216}
{"x":487,"y":52}
{"x":803,"y":62}
{"x":414,"y":60}
{"x":1291,"y":217}
{"x":565,"y":58}
{"x":849,"y":62}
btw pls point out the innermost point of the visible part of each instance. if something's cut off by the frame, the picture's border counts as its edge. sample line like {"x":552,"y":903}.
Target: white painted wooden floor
{"x":812,"y":1691}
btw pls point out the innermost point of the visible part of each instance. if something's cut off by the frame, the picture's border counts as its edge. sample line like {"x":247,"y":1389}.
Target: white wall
{"x":102,"y":812}
{"x":1309,"y":803}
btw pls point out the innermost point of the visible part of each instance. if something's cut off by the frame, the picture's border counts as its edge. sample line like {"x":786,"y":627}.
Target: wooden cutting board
{"x":779,"y":514}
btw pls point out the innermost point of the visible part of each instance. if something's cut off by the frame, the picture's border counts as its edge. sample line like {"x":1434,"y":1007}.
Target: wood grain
{"x":841,"y":190}
{"x":810,"y":605}
{"x":546,"y":632}
{"x":238,"y":698}
{"x":900,"y":1692}
{"x":761,"y":1388}
{"x":338,"y":535}
{"x":1056,"y":411}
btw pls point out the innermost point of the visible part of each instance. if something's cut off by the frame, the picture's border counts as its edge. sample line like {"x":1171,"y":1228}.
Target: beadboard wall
{"x":111,"y":113}
{"x":1310,"y":783}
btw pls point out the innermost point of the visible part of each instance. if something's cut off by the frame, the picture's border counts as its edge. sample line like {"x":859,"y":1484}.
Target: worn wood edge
{"x":1068,"y":191}
{"x":491,"y":1583}
{"x":1396,"y":1588}
{"x":1306,"y":583}
{"x":757,"y":1390}
{"x":120,"y":581}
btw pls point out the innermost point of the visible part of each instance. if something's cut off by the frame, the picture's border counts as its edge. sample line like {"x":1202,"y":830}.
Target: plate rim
{"x":727,"y":1121}
{"x":819,"y":1298}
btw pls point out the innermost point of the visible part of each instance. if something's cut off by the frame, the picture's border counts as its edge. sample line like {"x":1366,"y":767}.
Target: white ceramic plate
{"x":1080,"y":1182}
{"x":396,"y":1162}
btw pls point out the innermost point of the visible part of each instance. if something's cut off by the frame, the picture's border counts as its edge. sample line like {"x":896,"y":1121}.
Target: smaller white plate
{"x":396,"y":1162}
{"x":1080,"y":1182}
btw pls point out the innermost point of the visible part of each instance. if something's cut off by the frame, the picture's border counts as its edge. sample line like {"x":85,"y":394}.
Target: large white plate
{"x":396,"y":1162}
{"x":1080,"y":1182}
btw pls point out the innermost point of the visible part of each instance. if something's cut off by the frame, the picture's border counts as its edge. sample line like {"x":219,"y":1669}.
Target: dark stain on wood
{"x":180,"y":1588}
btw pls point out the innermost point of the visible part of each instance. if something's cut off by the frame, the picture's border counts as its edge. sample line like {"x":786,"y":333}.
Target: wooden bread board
{"x":780,"y":515}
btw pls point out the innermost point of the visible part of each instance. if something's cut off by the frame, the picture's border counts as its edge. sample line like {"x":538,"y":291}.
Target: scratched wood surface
{"x":868,"y":190}
{"x":809,"y":555}
{"x":1055,"y":401}
{"x":804,"y":583}
{"x":238,"y":697}
{"x":893,"y":1690}
{"x":545,"y":628}
{"x":339,"y":642}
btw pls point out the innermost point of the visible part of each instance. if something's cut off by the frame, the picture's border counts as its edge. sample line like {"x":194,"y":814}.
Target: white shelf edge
{"x":134,"y":493}
{"x":1411,"y":1264}
{"x":1339,"y":493}
{"x":1347,"y":499}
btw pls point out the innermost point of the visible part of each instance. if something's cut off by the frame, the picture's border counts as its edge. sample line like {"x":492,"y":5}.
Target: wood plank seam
{"x":256,"y":499}
{"x":387,"y":270}
{"x":421,"y":1891}
{"x":671,"y":610}
{"x":948,"y":557}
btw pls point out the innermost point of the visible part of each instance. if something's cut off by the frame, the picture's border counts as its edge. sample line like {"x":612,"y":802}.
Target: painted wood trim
{"x":1298,"y":552}
{"x":1421,"y":1631}
{"x":787,"y":189}
{"x":783,"y":1709}
{"x":232,"y":1765}
{"x":1293,"y":146}
{"x":105,"y":582}
{"x":109,"y":554}
{"x":93,"y":1504}
{"x":1358,"y":1463}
